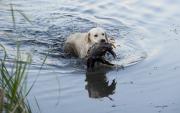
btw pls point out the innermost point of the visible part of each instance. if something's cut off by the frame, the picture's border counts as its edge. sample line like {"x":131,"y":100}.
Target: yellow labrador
{"x":78,"y":44}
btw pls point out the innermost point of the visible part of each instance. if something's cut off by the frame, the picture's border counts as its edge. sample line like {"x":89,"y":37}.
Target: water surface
{"x":148,"y":35}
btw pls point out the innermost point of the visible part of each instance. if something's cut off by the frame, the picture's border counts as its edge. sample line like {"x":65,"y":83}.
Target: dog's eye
{"x":103,"y":34}
{"x":95,"y":35}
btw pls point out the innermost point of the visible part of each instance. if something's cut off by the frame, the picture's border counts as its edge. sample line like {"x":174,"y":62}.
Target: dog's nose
{"x":102,"y":40}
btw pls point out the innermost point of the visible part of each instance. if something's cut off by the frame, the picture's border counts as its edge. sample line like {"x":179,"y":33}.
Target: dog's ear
{"x":88,"y":36}
{"x":106,"y":37}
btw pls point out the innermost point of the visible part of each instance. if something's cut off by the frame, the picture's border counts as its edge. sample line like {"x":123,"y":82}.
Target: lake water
{"x":148,"y":32}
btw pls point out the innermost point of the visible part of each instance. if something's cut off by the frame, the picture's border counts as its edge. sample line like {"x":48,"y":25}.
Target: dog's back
{"x":76,"y":45}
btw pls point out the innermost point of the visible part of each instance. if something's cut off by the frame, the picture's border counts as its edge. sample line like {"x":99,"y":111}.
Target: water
{"x":148,"y":35}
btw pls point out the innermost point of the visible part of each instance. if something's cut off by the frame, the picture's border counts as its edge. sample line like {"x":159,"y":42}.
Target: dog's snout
{"x":102,"y":40}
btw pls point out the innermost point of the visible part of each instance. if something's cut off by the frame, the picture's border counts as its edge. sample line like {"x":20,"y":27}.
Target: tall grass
{"x":13,"y":77}
{"x":13,"y":84}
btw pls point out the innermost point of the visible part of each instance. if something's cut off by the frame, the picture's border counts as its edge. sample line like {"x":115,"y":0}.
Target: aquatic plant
{"x":13,"y":77}
{"x":13,"y":83}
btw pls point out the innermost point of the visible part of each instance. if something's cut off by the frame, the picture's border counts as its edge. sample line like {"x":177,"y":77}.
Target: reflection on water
{"x":98,"y":86}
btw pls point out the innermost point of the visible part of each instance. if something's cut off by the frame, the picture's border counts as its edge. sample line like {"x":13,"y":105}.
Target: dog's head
{"x":97,"y":34}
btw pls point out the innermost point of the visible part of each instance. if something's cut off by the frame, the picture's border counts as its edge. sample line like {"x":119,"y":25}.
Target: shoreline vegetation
{"x":13,"y":78}
{"x":1,"y":99}
{"x":13,"y":84}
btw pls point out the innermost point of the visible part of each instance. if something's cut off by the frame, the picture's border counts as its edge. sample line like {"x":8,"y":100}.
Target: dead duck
{"x":97,"y":53}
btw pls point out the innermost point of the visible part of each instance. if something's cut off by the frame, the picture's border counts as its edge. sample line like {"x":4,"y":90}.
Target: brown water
{"x":149,"y":35}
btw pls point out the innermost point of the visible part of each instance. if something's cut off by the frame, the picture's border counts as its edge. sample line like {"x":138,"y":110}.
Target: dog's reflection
{"x":98,"y":86}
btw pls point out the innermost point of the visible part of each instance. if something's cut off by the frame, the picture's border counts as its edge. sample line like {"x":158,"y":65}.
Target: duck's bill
{"x":113,"y":45}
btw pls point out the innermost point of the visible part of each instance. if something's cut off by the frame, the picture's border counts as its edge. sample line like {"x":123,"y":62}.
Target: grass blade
{"x":25,"y":17}
{"x":13,"y":16}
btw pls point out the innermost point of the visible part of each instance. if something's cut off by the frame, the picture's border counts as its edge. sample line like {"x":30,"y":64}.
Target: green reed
{"x":13,"y":83}
{"x":13,"y":77}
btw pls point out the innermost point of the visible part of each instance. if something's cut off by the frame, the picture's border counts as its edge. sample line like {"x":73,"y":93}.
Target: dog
{"x":78,"y":44}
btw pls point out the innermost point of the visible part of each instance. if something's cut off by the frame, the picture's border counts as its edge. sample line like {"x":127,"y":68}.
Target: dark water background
{"x":148,"y":35}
